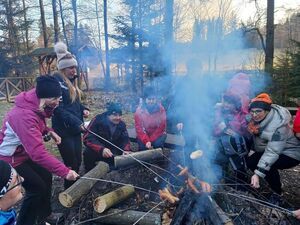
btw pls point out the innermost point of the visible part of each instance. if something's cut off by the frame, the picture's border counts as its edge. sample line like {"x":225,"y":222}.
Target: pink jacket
{"x":21,"y":136}
{"x":148,"y":126}
{"x":296,"y":126}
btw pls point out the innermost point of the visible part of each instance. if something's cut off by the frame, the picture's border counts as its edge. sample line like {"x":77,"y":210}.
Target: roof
{"x":43,"y":52}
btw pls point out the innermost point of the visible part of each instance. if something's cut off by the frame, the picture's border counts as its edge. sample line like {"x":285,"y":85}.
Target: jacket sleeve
{"x":272,"y":151}
{"x":30,"y":136}
{"x":140,"y":131}
{"x":296,"y":126}
{"x":161,"y":129}
{"x":67,"y":117}
{"x":90,"y":140}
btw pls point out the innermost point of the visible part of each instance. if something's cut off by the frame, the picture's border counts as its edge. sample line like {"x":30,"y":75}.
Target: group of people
{"x":25,"y":161}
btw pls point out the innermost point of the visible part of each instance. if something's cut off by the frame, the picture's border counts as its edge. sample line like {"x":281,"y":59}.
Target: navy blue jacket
{"x":68,"y":116}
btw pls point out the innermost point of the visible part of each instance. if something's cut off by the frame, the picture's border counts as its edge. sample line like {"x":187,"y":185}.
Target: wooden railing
{"x":12,"y":86}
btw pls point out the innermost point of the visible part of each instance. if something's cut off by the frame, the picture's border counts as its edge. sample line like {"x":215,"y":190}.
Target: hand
{"x":205,"y":186}
{"x":86,"y":113}
{"x":148,"y":145}
{"x":55,"y":137}
{"x":179,"y":126}
{"x":255,"y":181}
{"x":72,"y":175}
{"x":297,"y":214}
{"x":126,"y":152}
{"x":297,"y":135}
{"x":106,"y":153}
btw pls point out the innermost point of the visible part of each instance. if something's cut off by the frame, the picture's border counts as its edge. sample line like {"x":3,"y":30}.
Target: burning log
{"x":82,"y":186}
{"x":148,"y":155}
{"x":112,"y":198}
{"x":121,"y":217}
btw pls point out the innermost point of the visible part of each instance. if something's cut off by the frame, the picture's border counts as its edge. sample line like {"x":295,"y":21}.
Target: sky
{"x":247,"y":9}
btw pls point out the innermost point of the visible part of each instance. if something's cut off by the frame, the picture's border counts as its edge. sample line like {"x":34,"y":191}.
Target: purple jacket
{"x":21,"y":136}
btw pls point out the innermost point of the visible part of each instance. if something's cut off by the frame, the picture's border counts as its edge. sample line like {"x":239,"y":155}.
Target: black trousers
{"x":272,"y":176}
{"x":90,"y":157}
{"x":71,"y":152}
{"x":37,"y":201}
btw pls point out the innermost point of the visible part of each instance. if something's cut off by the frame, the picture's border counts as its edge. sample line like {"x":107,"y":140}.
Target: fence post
{"x":7,"y":91}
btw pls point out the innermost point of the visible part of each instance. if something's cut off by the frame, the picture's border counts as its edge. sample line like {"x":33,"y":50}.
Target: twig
{"x":148,"y":212}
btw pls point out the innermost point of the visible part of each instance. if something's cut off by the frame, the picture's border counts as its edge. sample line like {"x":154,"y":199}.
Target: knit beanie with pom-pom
{"x":64,"y":58}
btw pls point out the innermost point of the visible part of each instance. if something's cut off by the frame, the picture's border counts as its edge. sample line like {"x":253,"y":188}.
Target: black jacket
{"x":68,"y":116}
{"x":100,"y":126}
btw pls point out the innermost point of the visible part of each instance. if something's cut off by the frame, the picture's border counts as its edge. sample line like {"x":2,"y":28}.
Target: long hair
{"x":74,"y":90}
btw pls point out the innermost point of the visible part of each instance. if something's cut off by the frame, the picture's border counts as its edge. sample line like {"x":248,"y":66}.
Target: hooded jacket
{"x":296,"y":126}
{"x":150,"y":126}
{"x":275,"y":138}
{"x":21,"y":136}
{"x":101,"y":126}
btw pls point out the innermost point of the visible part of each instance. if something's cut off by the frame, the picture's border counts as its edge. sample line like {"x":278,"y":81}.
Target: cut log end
{"x":100,"y":205}
{"x":65,"y":199}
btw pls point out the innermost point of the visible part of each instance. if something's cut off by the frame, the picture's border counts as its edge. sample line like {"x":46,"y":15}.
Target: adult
{"x":150,"y":121}
{"x":109,"y":126}
{"x":275,"y":145}
{"x":21,"y":145}
{"x":10,"y":193}
{"x":67,"y":120}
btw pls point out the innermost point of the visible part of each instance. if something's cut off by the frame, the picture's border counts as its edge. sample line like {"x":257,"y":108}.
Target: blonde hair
{"x":74,"y":90}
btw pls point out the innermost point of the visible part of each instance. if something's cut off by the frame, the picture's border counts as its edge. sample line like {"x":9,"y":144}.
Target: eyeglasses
{"x":258,"y":111}
{"x":20,"y":180}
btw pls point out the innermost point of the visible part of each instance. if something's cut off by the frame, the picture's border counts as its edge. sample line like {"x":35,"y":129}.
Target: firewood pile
{"x":159,"y":192}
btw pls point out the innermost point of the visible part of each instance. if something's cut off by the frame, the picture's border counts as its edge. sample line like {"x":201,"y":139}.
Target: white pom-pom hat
{"x":64,"y":58}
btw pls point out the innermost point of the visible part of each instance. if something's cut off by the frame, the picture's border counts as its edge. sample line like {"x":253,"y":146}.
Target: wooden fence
{"x":12,"y":86}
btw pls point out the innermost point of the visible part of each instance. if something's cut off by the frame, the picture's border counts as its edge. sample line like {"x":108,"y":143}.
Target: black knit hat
{"x":113,"y":108}
{"x":6,"y":175}
{"x":47,"y":87}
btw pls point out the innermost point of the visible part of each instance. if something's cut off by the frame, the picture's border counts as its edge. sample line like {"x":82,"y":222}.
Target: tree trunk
{"x":148,"y":155}
{"x":107,"y":73}
{"x":44,"y":26}
{"x":55,"y":21}
{"x":82,"y":186}
{"x":169,"y":31}
{"x":26,"y":27}
{"x":63,"y":22}
{"x":121,"y":217}
{"x":112,"y":198}
{"x":270,"y":37}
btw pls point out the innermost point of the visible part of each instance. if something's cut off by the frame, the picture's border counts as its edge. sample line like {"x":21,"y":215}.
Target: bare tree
{"x":55,"y":21}
{"x":26,"y":27}
{"x":107,"y":73}
{"x":63,"y":22}
{"x":44,"y":26}
{"x":269,"y":37}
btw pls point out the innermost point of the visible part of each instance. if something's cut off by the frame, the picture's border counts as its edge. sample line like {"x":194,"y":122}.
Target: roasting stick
{"x":260,"y":202}
{"x":139,"y":161}
{"x":116,"y":182}
{"x":136,"y":222}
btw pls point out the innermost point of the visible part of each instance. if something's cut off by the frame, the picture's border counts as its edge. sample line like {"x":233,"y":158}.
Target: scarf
{"x":8,"y":217}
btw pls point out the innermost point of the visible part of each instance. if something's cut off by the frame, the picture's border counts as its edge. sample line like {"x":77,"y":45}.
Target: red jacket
{"x":148,"y":126}
{"x":296,"y":126}
{"x":21,"y":136}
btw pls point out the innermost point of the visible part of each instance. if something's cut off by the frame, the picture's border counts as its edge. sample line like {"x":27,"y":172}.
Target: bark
{"x":112,"y":198}
{"x":148,"y":155}
{"x":63,"y":23}
{"x":121,"y":217}
{"x":107,"y":73}
{"x":270,"y":37}
{"x":26,"y":28}
{"x":43,"y":21}
{"x":55,"y":21}
{"x":82,"y":186}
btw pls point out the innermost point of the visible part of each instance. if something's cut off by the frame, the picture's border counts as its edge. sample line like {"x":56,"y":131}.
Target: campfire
{"x":150,"y":189}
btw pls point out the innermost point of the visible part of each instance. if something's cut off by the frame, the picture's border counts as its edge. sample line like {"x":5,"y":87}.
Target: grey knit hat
{"x":64,"y":58}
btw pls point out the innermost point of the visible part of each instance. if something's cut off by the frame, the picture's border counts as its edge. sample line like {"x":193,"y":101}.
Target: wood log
{"x":112,"y":198}
{"x":120,"y":217}
{"x":82,"y":186}
{"x":148,"y":155}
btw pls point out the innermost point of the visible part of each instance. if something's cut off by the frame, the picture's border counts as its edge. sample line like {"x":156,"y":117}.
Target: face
{"x":70,"y":72}
{"x":14,"y":193}
{"x":115,"y":118}
{"x":52,"y":102}
{"x":258,"y":114}
{"x":151,"y":100}
{"x":228,"y":107}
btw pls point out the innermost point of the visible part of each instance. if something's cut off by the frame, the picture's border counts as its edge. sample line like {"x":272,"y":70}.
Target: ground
{"x":139,"y":176}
